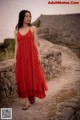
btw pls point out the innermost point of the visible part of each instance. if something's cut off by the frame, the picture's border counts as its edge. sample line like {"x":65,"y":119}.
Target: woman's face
{"x":27,"y":18}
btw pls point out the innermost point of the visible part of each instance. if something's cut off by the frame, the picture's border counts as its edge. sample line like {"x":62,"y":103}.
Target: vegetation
{"x":7,"y":49}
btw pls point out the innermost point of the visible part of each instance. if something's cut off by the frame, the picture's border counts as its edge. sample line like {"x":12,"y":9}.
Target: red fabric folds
{"x":29,"y":74}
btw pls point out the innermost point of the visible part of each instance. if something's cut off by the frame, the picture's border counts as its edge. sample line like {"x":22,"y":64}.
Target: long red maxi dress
{"x":30,"y":78}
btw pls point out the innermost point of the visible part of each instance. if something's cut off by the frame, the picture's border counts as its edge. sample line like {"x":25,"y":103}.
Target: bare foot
{"x":26,"y":104}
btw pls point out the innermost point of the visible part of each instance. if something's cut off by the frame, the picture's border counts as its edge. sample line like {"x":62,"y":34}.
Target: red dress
{"x":29,"y":74}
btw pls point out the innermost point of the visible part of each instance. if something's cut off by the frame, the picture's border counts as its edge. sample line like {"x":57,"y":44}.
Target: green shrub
{"x":7,"y":49}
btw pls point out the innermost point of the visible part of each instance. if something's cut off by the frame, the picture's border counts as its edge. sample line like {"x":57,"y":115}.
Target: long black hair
{"x":21,"y":18}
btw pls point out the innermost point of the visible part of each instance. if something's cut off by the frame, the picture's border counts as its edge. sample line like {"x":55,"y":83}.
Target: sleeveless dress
{"x":30,"y":78}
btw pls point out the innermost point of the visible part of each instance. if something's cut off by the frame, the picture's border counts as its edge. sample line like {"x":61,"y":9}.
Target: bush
{"x":7,"y":49}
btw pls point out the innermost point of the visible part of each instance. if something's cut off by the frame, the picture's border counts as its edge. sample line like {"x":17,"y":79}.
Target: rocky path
{"x":41,"y":109}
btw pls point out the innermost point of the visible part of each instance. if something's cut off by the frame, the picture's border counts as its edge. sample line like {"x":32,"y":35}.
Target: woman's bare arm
{"x":36,"y":40}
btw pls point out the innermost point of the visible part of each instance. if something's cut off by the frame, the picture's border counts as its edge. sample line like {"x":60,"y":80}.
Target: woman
{"x":30,"y":79}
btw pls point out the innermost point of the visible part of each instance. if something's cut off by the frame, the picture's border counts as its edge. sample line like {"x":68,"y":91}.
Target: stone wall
{"x":51,"y":63}
{"x":47,"y":32}
{"x":7,"y":80}
{"x":61,"y":30}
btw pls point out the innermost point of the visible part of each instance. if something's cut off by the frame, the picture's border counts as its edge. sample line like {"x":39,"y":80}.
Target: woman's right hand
{"x":14,"y":62}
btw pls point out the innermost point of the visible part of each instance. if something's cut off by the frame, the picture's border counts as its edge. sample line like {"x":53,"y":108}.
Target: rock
{"x":69,"y":110}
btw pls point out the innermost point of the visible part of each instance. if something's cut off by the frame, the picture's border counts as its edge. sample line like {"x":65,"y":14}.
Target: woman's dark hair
{"x":21,"y":18}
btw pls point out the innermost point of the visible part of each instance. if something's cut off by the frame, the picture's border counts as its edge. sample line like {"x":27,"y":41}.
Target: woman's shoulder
{"x":33,"y":27}
{"x":15,"y":31}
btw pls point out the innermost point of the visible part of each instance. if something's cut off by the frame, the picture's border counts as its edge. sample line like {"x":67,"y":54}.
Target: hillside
{"x":61,"y":29}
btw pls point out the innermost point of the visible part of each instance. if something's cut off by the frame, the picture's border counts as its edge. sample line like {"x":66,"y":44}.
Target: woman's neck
{"x":25,"y":25}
